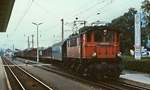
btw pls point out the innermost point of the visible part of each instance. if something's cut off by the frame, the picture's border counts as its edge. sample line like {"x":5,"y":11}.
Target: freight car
{"x":27,"y":53}
{"x":22,"y":53}
{"x":94,"y":52}
{"x":46,"y":53}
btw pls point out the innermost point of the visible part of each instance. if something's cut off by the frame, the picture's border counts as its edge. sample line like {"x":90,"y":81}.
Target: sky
{"x":50,"y":13}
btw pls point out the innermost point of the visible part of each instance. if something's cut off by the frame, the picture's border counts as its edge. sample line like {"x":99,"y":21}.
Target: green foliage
{"x":131,"y":58}
{"x":125,"y":24}
{"x":146,"y":7}
{"x":137,"y":65}
{"x":146,"y":30}
{"x":142,"y":65}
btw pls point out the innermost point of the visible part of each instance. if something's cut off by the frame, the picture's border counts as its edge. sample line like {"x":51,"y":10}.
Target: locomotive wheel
{"x":67,"y":65}
{"x":99,"y":76}
{"x":78,"y":67}
{"x":85,"y":72}
{"x":81,"y":69}
{"x":116,"y":76}
{"x":72,"y":66}
{"x":75,"y":66}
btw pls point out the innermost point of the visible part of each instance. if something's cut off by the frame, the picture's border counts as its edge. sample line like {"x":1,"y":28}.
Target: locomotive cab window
{"x":73,"y":42}
{"x":103,"y":36}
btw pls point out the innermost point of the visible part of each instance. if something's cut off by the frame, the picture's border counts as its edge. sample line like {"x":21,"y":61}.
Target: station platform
{"x":3,"y":78}
{"x":136,"y":76}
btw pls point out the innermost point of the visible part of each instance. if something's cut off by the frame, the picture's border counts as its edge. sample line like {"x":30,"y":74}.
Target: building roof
{"x":5,"y":12}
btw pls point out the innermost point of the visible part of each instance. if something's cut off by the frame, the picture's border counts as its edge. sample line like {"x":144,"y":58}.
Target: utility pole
{"x":84,"y":23}
{"x":37,"y":25}
{"x":32,"y":41}
{"x":13,"y":49}
{"x":62,"y":20}
{"x":28,"y":43}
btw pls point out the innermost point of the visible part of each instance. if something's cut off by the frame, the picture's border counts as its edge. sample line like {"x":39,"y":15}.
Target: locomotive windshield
{"x":103,"y":36}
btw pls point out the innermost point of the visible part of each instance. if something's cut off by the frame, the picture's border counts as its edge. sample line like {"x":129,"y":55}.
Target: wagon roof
{"x":29,"y":49}
{"x":48,"y":48}
{"x":57,"y":44}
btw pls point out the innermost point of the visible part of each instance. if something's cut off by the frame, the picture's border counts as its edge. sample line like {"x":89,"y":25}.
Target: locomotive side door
{"x":64,"y":49}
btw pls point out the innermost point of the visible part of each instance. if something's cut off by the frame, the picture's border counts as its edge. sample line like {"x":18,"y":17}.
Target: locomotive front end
{"x":101,"y":44}
{"x":102,"y":48}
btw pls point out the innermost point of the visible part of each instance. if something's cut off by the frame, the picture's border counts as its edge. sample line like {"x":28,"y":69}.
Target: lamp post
{"x":37,"y":25}
{"x":62,"y":20}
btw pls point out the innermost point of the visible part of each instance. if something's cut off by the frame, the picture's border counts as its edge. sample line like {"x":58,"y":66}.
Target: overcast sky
{"x":50,"y":12}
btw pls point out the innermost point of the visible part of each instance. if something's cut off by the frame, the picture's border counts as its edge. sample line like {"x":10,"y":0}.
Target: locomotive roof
{"x":90,"y":28}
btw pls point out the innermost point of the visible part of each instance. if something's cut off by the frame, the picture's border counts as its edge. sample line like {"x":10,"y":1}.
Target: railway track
{"x":22,"y":80}
{"x":107,"y":85}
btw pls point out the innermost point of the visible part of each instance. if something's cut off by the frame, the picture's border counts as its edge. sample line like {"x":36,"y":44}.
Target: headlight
{"x":119,"y":54}
{"x":94,"y":54}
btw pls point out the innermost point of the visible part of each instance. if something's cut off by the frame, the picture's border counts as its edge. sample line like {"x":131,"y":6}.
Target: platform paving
{"x":3,"y":82}
{"x":136,"y":76}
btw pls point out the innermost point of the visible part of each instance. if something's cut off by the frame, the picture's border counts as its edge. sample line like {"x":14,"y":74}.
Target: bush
{"x":142,"y":65}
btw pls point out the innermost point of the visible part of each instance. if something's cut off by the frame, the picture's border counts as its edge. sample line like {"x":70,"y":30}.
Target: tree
{"x":146,"y":7}
{"x":125,"y":24}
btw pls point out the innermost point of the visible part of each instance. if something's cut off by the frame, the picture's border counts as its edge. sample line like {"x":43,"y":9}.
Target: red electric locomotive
{"x":95,"y":52}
